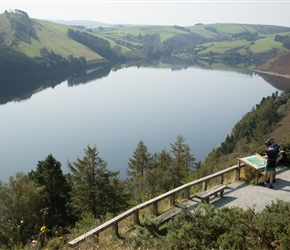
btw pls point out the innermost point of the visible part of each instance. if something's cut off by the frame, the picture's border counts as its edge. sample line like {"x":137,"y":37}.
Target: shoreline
{"x":271,"y":73}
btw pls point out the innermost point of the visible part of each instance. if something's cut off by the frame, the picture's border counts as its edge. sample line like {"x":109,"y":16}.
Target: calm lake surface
{"x":115,"y":112}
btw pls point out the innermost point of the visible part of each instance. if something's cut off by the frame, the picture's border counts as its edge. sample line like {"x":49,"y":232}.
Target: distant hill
{"x":87,"y":23}
{"x":232,"y":44}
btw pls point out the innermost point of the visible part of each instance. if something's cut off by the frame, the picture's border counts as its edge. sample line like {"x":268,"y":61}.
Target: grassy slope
{"x":121,"y":32}
{"x":4,"y":24}
{"x":265,"y":44}
{"x":262,"y":46}
{"x":53,"y":37}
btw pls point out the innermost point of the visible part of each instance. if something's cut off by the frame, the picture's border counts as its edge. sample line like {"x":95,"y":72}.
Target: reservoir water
{"x":115,"y":112}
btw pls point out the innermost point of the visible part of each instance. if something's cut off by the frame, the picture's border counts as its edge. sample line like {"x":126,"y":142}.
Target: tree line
{"x":285,"y":40}
{"x":98,"y":45}
{"x":47,"y":203}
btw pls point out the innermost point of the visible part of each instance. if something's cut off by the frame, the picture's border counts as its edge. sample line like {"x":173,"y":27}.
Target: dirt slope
{"x":279,"y":64}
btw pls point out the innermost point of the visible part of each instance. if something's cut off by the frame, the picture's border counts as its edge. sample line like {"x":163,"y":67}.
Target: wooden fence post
{"x":155,"y":208}
{"x":222,"y":179}
{"x":116,"y":229}
{"x":136,"y":217}
{"x":95,"y":238}
{"x":172,"y":199}
{"x":238,"y":171}
{"x":186,"y":192}
{"x":204,"y":185}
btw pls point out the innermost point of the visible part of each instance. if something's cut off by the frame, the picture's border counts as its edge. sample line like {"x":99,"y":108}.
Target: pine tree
{"x":92,"y":187}
{"x":140,"y":162}
{"x":183,"y":161}
{"x":48,"y":174}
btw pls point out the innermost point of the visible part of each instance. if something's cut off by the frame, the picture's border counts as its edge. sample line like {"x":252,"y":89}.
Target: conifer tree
{"x":140,"y":162}
{"x":91,"y":184}
{"x":183,"y":161}
{"x":56,"y":189}
{"x":158,"y":179}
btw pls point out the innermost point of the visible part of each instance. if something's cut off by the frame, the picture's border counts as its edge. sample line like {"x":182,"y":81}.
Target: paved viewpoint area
{"x":245,"y":195}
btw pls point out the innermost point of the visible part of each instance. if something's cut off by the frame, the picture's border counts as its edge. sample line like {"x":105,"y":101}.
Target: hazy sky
{"x":183,"y":13}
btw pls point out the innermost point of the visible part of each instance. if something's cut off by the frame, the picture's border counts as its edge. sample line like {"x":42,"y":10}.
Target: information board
{"x":255,"y":161}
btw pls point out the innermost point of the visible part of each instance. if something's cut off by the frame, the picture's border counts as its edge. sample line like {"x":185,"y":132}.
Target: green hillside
{"x":47,"y":34}
{"x":239,"y":44}
{"x":203,"y":39}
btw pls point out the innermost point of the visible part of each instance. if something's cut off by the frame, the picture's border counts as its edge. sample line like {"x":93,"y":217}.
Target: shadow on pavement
{"x":238,"y":186}
{"x":223,"y":201}
{"x":282,"y":184}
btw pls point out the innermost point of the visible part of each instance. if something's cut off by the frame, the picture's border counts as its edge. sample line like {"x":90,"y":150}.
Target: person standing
{"x":272,"y":158}
{"x":279,"y":157}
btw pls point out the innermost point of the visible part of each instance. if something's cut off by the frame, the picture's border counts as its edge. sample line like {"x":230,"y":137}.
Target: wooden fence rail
{"x":94,"y":233}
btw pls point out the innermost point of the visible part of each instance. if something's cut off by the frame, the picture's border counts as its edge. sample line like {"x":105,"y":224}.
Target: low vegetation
{"x":224,"y":228}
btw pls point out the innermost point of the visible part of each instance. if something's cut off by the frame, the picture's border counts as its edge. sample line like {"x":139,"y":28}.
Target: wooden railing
{"x":94,"y":233}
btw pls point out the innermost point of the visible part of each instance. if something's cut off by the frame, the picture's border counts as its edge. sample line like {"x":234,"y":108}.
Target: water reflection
{"x":19,"y":90}
{"x":90,"y":75}
{"x":22,"y":90}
